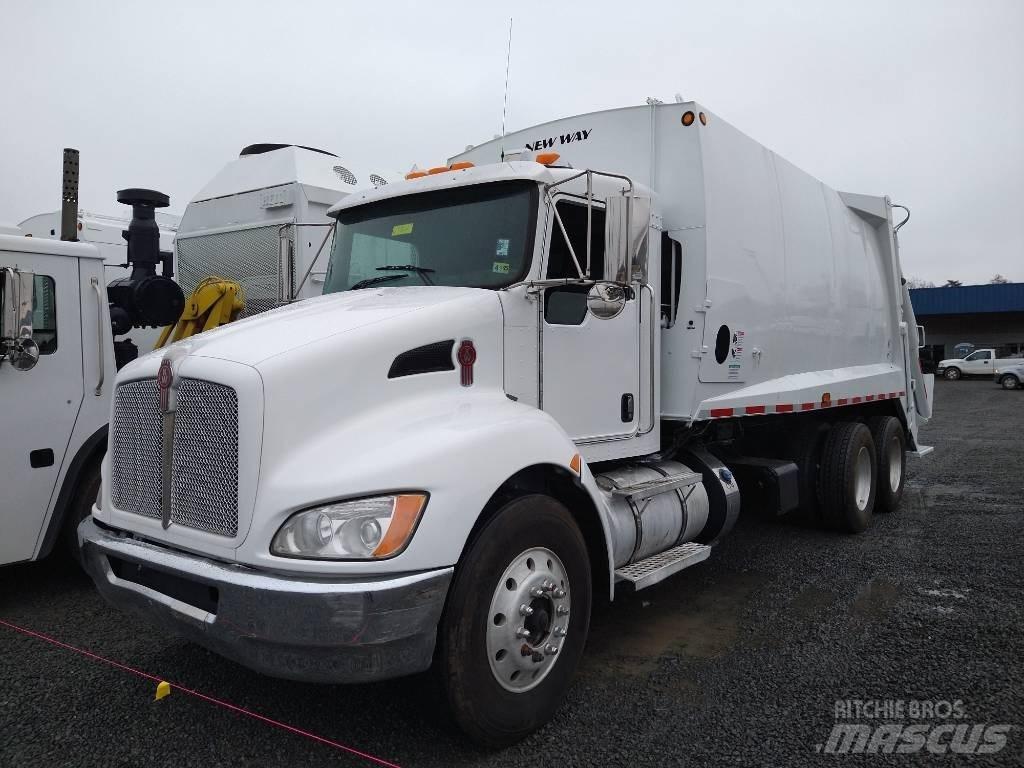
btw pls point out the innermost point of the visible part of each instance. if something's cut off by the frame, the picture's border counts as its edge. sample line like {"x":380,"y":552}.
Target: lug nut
{"x":525,"y":610}
{"x":550,"y":650}
{"x":559,"y":593}
{"x":522,"y":632}
{"x":561,"y":631}
{"x":562,"y":610}
{"x":548,"y":585}
{"x":537,"y":592}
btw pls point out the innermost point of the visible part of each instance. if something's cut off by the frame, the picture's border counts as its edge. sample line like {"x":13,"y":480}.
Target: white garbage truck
{"x":556,"y":366}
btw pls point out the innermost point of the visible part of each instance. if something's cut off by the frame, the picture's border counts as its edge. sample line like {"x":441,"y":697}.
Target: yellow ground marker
{"x":163,"y":689}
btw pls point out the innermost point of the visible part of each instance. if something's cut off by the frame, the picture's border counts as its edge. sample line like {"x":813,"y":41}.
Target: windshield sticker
{"x":502,"y":247}
{"x":401,"y":229}
{"x":501,"y":267}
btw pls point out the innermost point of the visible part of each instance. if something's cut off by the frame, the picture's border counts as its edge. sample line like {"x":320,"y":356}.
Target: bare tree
{"x":917,"y":282}
{"x":953,"y":284}
{"x":998,"y":279}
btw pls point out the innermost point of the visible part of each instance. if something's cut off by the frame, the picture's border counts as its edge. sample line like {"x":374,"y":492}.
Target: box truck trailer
{"x":556,"y":366}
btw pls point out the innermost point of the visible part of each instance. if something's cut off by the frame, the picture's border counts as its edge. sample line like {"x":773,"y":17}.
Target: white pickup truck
{"x":981,"y":362}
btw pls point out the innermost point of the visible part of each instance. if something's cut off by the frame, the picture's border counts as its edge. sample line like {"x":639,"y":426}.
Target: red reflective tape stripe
{"x":784,"y":408}
{"x":806,"y":406}
{"x":717,"y":413}
{"x":902,"y":393}
{"x":841,"y":401}
{"x":868,"y":398}
{"x":892,"y":395}
{"x":753,"y":410}
{"x":854,"y":400}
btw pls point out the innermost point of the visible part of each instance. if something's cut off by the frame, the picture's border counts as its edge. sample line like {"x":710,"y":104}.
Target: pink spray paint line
{"x":198,"y":695}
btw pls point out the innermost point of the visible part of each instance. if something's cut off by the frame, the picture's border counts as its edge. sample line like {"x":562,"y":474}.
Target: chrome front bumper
{"x":347,"y":631}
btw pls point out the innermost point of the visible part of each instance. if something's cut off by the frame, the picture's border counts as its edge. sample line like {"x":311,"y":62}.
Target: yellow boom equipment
{"x":215,"y":301}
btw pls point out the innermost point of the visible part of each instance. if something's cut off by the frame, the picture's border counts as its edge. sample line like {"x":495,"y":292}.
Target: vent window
{"x":429,"y":358}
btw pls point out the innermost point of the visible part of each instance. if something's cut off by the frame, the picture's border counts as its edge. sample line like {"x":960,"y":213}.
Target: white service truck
{"x":58,"y":359}
{"x":553,"y":367}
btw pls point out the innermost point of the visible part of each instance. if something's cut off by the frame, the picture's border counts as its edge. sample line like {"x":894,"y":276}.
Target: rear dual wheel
{"x":516,"y":621}
{"x":862,"y":469}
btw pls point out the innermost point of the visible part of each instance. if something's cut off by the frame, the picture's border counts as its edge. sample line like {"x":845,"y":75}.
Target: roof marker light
{"x":547,"y":158}
{"x":703,"y":118}
{"x":688,"y":118}
{"x":439,"y":169}
{"x":461,"y":166}
{"x":415,"y":175}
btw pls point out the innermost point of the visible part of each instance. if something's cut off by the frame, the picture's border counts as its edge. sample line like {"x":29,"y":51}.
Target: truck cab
{"x":56,"y":374}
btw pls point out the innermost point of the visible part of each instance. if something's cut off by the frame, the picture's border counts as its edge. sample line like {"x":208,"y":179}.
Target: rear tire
{"x":891,"y":472}
{"x":847,"y":477}
{"x":500,"y":686}
{"x":952,"y":374}
{"x":1009,"y":381}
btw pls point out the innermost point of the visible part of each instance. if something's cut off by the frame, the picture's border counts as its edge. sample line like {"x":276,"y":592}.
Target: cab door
{"x":38,"y":407}
{"x":590,"y":382}
{"x":979,"y":363}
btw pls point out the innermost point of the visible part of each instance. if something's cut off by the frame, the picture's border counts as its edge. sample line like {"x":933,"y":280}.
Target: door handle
{"x":99,"y":334}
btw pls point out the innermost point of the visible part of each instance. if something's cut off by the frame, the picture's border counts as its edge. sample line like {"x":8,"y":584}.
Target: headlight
{"x":361,"y":529}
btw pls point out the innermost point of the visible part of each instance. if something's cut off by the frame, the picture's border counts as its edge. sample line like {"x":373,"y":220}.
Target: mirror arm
{"x":101,"y":362}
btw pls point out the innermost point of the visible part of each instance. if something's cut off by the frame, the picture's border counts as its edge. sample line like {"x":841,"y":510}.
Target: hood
{"x":256,"y":339}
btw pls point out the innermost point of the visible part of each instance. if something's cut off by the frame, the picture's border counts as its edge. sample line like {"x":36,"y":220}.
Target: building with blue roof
{"x":979,"y":315}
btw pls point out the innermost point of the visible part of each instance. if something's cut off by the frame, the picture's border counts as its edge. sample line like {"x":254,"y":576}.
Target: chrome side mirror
{"x":23,"y":353}
{"x":920,"y":337}
{"x":606,"y":300}
{"x":627,"y":220}
{"x":16,"y":343}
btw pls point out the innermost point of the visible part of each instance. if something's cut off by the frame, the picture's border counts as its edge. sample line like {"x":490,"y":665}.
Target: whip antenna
{"x":508,"y":60}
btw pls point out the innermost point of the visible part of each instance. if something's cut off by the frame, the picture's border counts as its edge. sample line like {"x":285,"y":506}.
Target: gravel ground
{"x":738,"y":661}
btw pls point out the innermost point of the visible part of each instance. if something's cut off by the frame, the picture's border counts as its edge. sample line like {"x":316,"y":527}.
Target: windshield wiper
{"x":421,"y":271}
{"x":374,"y":280}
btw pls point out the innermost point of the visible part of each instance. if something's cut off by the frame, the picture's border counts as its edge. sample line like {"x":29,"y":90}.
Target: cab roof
{"x":510,"y":170}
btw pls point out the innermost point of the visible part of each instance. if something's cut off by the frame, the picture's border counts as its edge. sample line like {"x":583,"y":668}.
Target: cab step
{"x":651,"y":570}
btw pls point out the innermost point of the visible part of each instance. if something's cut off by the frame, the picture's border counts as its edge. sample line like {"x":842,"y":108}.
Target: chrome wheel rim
{"x":1009,"y":382}
{"x":952,"y":374}
{"x":895,"y":464}
{"x":528,"y":619}
{"x":862,"y":478}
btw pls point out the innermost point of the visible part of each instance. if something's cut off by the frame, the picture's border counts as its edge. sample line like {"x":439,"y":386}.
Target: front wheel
{"x":516,"y":621}
{"x":952,"y":374}
{"x":1009,"y":381}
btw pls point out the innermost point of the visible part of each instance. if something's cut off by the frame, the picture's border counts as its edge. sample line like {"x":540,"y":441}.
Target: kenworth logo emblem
{"x":163,"y":384}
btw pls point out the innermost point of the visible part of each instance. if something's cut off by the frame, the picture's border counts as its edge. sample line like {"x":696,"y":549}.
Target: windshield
{"x":477,"y":237}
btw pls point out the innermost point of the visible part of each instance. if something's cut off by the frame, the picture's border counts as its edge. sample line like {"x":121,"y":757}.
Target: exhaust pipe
{"x":69,"y":199}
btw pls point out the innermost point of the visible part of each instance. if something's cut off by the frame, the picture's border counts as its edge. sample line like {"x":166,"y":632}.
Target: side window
{"x":568,"y":305}
{"x":671,"y":277}
{"x":44,"y":316}
{"x":986,"y":355}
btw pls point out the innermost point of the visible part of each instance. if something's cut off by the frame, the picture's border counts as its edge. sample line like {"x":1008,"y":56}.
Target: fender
{"x":458,"y":447}
{"x":93,"y":447}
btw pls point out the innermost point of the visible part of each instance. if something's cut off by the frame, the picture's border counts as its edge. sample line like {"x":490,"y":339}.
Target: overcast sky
{"x":923,"y":101}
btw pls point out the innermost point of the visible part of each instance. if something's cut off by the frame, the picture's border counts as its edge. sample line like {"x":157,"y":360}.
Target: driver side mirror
{"x":16,"y":342}
{"x":627,"y":221}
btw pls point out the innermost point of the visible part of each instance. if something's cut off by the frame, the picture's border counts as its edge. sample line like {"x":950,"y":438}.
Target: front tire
{"x":502,"y":684}
{"x":952,"y":374}
{"x":1009,"y":381}
{"x":847,"y":477}
{"x":80,"y":508}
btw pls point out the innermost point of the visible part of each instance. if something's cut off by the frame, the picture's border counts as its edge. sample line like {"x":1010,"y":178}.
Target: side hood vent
{"x":426,"y":359}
